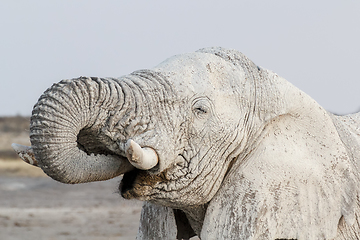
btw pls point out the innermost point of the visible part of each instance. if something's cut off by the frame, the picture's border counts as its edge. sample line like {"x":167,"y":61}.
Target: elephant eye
{"x":201,"y":109}
{"x":200,"y":112}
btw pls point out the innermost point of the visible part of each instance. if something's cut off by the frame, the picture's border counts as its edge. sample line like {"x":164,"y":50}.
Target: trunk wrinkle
{"x":66,"y":132}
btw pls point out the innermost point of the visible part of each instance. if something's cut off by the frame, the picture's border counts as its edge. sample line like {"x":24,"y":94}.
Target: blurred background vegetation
{"x":13,"y":130}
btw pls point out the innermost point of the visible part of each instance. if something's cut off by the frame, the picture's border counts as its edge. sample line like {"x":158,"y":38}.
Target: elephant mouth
{"x":127,"y":184}
{"x":138,"y":184}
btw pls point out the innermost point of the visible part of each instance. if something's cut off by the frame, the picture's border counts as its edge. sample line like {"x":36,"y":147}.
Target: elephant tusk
{"x":25,"y":153}
{"x":142,"y":158}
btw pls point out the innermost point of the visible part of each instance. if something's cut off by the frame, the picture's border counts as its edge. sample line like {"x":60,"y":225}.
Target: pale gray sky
{"x":313,"y":44}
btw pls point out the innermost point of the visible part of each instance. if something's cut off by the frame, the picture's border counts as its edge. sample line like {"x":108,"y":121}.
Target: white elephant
{"x":215,"y":145}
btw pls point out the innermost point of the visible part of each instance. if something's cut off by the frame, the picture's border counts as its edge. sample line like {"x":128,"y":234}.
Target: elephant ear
{"x":159,"y":222}
{"x":275,"y":195}
{"x":295,"y":179}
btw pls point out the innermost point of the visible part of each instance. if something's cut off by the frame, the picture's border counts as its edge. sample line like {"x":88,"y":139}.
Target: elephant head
{"x":209,"y":133}
{"x":87,"y":129}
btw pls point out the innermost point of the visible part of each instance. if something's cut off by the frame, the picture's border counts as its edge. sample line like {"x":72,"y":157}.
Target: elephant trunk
{"x":65,"y":131}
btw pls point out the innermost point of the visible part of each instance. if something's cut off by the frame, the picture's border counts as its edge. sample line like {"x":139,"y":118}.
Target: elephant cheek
{"x":139,"y":184}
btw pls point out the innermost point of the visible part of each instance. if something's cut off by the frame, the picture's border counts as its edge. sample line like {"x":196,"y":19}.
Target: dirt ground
{"x":33,"y":206}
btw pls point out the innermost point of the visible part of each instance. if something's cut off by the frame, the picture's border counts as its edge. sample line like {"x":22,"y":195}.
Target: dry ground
{"x":36,"y":207}
{"x":33,"y":206}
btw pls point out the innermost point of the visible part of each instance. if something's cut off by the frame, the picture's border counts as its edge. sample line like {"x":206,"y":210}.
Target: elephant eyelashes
{"x":201,"y":112}
{"x":201,"y":108}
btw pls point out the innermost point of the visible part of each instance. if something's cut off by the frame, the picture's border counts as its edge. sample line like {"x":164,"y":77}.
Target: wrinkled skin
{"x":242,"y":154}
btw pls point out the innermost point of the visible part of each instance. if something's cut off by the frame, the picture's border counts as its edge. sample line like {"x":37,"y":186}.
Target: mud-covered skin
{"x":237,"y":149}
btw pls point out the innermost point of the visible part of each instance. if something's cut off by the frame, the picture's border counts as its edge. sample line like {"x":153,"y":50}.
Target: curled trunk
{"x":66,"y":128}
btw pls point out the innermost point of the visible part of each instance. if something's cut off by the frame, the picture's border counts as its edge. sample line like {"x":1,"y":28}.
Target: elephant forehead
{"x":201,"y":73}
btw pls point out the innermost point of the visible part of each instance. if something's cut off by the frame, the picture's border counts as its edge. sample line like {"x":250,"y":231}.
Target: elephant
{"x":214,"y":145}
